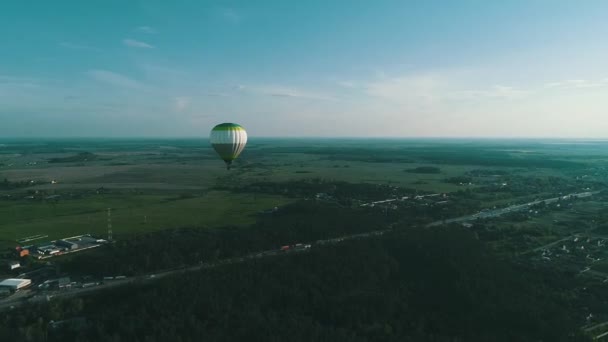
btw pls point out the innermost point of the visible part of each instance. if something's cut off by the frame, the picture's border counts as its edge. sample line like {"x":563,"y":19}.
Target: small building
{"x":87,"y":240}
{"x":69,"y":245}
{"x":12,"y":265}
{"x":24,"y":252}
{"x":48,"y":249}
{"x":44,"y":249}
{"x":15,"y":284}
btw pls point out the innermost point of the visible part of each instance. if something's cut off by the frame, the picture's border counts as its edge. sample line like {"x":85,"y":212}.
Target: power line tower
{"x":109,"y":224}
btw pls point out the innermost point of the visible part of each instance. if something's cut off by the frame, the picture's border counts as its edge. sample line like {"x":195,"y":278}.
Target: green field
{"x":130,"y":214}
{"x":158,"y":184}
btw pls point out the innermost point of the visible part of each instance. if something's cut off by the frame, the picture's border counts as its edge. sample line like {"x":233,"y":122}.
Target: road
{"x":26,"y":297}
{"x":389,"y":200}
{"x":551,"y":244}
{"x":510,"y":209}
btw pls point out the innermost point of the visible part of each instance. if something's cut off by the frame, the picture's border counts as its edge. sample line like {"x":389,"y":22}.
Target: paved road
{"x":510,"y":209}
{"x":389,"y":200}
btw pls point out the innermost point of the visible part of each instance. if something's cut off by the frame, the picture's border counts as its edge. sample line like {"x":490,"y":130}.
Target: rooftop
{"x":14,"y":282}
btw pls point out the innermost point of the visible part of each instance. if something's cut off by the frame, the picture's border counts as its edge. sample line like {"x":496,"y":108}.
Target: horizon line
{"x":311,"y":137}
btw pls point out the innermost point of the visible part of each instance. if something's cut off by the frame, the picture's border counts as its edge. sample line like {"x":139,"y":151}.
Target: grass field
{"x":130,"y":214}
{"x":143,"y":174}
{"x":356,"y":172}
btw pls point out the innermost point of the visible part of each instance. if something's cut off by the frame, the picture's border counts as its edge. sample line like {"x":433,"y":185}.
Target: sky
{"x":337,"y":68}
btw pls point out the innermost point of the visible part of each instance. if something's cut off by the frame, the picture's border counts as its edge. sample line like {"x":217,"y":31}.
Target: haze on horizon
{"x":309,"y":68}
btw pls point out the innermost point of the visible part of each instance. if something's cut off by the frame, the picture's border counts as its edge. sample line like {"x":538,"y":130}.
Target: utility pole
{"x":109,"y":224}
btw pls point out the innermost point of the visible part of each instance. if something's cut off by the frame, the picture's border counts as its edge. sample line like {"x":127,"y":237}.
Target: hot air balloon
{"x":228,"y":140}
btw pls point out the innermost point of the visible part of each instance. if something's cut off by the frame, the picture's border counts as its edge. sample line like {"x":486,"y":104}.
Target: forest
{"x":304,"y":221}
{"x":419,"y":285}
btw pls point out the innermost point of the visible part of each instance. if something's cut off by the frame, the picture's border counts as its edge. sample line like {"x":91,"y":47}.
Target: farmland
{"x":65,"y":186}
{"x":131,"y":213}
{"x":174,"y":205}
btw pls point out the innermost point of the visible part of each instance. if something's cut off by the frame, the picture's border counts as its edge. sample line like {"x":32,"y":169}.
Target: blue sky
{"x":305,"y":68}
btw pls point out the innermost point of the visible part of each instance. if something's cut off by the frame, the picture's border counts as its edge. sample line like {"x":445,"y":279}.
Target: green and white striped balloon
{"x":228,"y":140}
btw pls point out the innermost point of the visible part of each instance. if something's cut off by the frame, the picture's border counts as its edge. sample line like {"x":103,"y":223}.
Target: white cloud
{"x":182,"y":103}
{"x":214,"y":94}
{"x":157,"y":70}
{"x":146,"y":29}
{"x":577,"y":84}
{"x":231,"y":15}
{"x":24,"y":90}
{"x":433,"y":89}
{"x":113,"y":78}
{"x":283,"y":91}
{"x":494,"y":92}
{"x":347,"y":84}
{"x":28,"y":94}
{"x":16,"y":81}
{"x":136,"y":44}
{"x":74,"y":46}
{"x":553,"y":84}
{"x":427,"y":88}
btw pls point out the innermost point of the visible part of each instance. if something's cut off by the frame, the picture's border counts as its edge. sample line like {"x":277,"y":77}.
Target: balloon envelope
{"x":228,"y":140}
